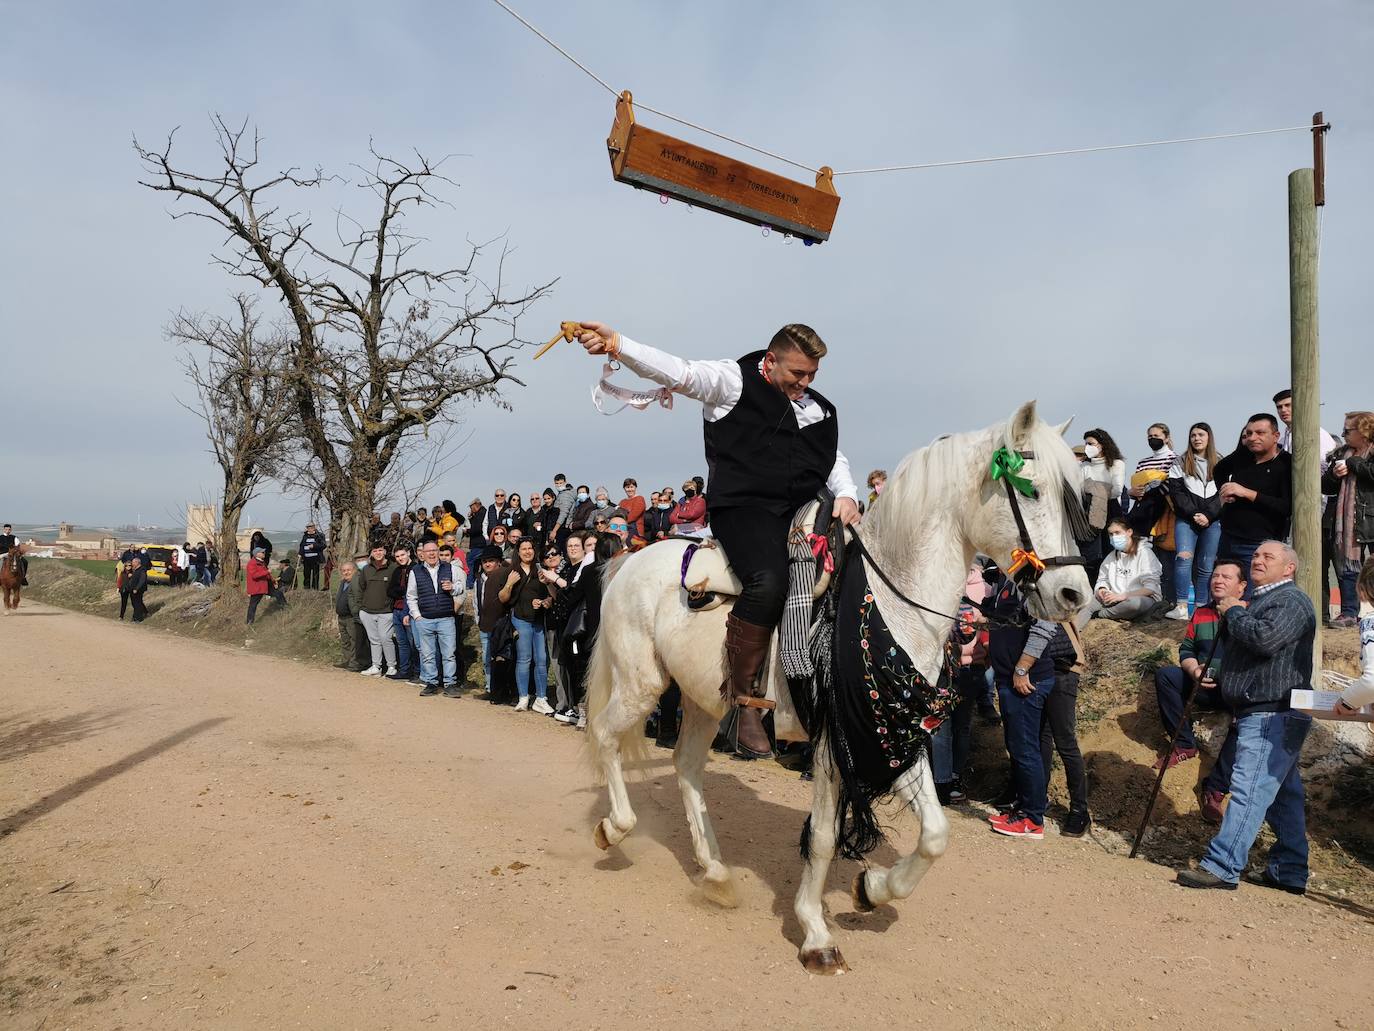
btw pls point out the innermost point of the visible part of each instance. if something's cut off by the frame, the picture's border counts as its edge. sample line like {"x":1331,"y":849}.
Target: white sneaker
{"x":542,"y":706}
{"x":372,"y":671}
{"x":1179,"y":611}
{"x":524,"y":703}
{"x":567,"y":716}
{"x":581,"y":719}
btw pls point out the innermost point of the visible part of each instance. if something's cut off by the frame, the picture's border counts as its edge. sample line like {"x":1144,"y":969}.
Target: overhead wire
{"x":899,"y":168}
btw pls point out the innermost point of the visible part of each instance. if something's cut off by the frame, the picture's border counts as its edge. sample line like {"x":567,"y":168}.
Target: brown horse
{"x":12,"y":577}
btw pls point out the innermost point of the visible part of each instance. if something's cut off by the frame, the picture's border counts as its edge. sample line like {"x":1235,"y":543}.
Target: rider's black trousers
{"x":756,"y":544}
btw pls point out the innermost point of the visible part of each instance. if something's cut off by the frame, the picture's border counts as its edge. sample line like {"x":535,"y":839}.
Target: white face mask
{"x":1092,"y":450}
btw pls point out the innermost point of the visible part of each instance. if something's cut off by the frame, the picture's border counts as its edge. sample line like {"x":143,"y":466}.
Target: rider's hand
{"x":847,"y":511}
{"x":596,"y":337}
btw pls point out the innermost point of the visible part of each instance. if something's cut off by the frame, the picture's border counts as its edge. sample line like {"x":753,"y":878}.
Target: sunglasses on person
{"x":621,"y":526}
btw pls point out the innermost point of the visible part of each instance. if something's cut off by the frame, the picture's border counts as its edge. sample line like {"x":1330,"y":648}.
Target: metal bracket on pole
{"x":1319,"y":131}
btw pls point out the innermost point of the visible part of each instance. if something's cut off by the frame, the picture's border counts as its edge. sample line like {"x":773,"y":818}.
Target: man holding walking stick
{"x":1268,"y":654}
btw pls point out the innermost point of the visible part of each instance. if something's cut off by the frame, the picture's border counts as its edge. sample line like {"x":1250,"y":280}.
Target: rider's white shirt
{"x":718,"y":386}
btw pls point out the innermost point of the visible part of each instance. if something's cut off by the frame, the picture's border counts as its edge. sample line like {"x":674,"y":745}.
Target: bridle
{"x":1027,"y":566}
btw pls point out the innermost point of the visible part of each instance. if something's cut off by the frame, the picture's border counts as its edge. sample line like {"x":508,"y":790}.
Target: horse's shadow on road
{"x":758,"y":837}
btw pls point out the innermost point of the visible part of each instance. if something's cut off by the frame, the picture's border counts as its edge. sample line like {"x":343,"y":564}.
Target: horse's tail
{"x":600,"y":684}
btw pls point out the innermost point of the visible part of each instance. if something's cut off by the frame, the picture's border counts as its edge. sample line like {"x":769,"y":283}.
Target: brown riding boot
{"x":745,"y":648}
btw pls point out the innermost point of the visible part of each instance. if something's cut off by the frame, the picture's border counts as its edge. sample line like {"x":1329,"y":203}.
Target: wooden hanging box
{"x":655,"y":161}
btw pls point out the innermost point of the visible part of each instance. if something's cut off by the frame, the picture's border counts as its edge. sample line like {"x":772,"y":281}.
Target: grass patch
{"x":1147,"y":663}
{"x":103,"y":568}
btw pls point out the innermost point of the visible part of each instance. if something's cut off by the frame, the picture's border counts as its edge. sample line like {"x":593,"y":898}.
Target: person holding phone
{"x":528,"y":596}
{"x":1348,"y":522}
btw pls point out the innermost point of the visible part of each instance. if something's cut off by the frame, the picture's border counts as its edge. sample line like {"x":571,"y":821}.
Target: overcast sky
{"x":1120,"y":288}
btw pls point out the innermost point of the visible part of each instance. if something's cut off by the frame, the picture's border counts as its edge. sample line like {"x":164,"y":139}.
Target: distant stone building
{"x":200,"y":523}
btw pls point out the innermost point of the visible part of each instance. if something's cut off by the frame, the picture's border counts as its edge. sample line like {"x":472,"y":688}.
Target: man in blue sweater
{"x":1268,"y":654}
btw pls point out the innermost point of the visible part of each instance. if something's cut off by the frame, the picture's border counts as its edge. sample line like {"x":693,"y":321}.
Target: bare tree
{"x":382,"y":347}
{"x":240,"y":374}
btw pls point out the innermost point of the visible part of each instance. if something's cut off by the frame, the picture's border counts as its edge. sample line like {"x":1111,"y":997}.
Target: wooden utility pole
{"x":1303,"y":191}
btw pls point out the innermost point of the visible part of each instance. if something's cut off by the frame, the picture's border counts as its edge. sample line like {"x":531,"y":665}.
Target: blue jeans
{"x":1242,"y":551}
{"x":485,"y":638}
{"x":474,"y":565}
{"x":529,"y":648}
{"x":407,"y":652}
{"x":1265,"y":785}
{"x":1021,"y":717}
{"x":952,"y":742}
{"x":437,"y":639}
{"x":1193,"y":561}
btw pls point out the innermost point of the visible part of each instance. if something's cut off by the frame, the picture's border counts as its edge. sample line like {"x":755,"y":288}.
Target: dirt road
{"x":196,"y":837}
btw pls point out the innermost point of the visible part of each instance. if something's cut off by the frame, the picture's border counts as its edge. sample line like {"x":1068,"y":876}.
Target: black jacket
{"x":137,"y":581}
{"x":656,"y":521}
{"x":312,"y":546}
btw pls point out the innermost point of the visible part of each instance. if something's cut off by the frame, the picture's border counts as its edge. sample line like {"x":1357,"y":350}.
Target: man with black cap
{"x":488,"y":606}
{"x":771,"y":444}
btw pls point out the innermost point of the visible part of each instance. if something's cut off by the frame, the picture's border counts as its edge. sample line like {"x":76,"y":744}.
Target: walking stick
{"x":1173,"y":742}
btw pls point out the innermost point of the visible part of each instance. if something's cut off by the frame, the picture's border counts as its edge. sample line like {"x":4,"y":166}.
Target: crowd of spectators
{"x":1199,"y":537}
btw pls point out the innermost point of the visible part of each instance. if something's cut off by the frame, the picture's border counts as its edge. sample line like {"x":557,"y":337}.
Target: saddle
{"x":708,"y":579}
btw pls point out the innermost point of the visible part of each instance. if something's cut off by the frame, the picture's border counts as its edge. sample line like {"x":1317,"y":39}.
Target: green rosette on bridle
{"x":1006,"y":464}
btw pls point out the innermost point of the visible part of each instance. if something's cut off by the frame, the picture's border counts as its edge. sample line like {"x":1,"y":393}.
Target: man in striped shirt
{"x":1200,"y":655}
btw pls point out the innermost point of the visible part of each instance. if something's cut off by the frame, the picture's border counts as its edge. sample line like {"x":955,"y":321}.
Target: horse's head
{"x":1033,"y":473}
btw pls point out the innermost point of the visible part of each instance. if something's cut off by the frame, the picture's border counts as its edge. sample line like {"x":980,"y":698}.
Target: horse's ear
{"x":1021,"y":425}
{"x":1063,"y":428}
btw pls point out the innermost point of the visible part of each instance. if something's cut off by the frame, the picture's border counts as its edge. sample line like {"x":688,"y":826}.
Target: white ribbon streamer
{"x":636,"y":399}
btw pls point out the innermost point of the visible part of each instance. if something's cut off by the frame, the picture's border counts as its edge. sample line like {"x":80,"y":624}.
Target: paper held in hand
{"x":1322,"y":705}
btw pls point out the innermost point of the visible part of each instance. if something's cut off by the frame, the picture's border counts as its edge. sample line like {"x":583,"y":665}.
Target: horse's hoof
{"x":722,"y":893}
{"x":824,"y":961}
{"x":859,"y":892}
{"x":599,"y":836}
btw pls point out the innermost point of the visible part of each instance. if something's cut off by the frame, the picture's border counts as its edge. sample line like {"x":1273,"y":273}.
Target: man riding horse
{"x":8,"y":541}
{"x":771,"y":444}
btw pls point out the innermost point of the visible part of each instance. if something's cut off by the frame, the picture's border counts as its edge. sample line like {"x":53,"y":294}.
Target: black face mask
{"x":1156,"y":443}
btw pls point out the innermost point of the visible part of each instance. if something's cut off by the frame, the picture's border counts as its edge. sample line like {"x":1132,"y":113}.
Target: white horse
{"x":938,"y":509}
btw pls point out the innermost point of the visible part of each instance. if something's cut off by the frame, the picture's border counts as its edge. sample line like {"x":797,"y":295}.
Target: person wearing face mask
{"x":1151,"y":513}
{"x":657,"y":518}
{"x":1104,"y":484}
{"x":772,"y":443}
{"x":690,"y":515}
{"x":1128,"y":583}
{"x":584,"y":509}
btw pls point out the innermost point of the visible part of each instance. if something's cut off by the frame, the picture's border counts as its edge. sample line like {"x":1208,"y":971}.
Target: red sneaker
{"x":1000,"y":818}
{"x":1021,"y":827}
{"x":1178,"y":755}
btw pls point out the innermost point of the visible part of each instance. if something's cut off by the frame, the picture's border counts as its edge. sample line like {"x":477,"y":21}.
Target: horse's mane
{"x":907,"y":495}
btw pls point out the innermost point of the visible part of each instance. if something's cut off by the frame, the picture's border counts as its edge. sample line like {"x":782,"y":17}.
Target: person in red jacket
{"x":260,"y":583}
{"x":690,"y":514}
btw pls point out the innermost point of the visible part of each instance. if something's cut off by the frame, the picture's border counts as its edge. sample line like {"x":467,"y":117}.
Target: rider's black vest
{"x":758,"y":457}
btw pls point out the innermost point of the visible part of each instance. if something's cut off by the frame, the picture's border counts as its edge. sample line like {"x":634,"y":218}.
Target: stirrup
{"x":700,"y":599}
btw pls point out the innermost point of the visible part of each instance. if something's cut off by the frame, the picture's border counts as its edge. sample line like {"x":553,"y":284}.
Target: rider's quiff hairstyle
{"x":796,"y":337}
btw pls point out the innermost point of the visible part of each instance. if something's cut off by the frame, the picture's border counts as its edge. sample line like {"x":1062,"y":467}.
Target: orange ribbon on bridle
{"x":1024,"y":557}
